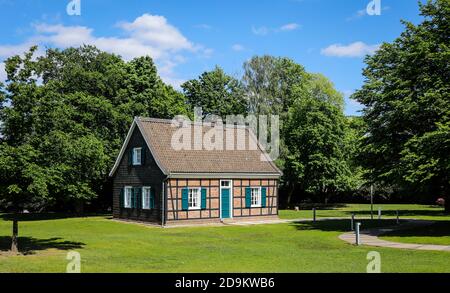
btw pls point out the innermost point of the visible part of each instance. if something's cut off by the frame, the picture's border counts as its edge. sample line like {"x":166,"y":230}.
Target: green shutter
{"x":203,"y":198}
{"x":248,"y":197}
{"x":143,"y":156}
{"x":133,"y":198}
{"x":130,"y":157}
{"x":138,"y":194}
{"x":263,"y":196}
{"x":152,"y":198}
{"x":184,"y":198}
{"x":121,"y":197}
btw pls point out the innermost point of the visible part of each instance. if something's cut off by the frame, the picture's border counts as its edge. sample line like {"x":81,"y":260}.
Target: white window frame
{"x":198,"y":199}
{"x":127,"y":196}
{"x":258,"y":201}
{"x":137,"y":160}
{"x":144,"y":195}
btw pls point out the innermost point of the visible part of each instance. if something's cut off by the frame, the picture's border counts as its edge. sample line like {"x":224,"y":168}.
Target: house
{"x":153,"y":181}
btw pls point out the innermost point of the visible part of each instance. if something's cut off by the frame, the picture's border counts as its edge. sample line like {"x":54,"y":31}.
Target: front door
{"x":225,"y":199}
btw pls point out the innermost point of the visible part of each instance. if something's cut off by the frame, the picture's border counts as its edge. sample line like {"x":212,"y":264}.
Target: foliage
{"x":272,"y":83}
{"x":407,"y":109}
{"x":64,"y":117}
{"x":315,"y":137}
{"x":216,"y":92}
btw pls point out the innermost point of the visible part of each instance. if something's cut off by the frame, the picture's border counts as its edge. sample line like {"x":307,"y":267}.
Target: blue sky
{"x":188,"y":37}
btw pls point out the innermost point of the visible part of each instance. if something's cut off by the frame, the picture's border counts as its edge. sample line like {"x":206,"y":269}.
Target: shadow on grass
{"x":47,"y":216}
{"x":29,"y":245}
{"x":438,"y":229}
{"x":341,"y":225}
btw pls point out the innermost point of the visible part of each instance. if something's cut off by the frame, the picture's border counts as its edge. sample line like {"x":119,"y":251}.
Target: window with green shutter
{"x":121,"y":197}
{"x":248,"y":197}
{"x":203,"y":206}
{"x":263,"y":196}
{"x":152,"y":199}
{"x":184,"y":198}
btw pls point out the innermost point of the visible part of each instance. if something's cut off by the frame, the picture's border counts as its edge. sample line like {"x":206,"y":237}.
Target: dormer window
{"x":137,"y":156}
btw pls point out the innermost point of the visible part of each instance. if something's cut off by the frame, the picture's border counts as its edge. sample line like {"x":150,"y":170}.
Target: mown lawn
{"x":109,"y":246}
{"x":437,"y":233}
{"x":425,"y":212}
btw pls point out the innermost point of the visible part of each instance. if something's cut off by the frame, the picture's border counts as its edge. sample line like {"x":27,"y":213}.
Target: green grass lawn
{"x":424,"y":212}
{"x":438,"y":233}
{"x":109,"y":246}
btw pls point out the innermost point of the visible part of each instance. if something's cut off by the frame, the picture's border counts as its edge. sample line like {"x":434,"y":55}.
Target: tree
{"x":315,"y":136}
{"x":216,"y":92}
{"x":64,"y":116}
{"x":271,"y":84}
{"x":407,"y":107}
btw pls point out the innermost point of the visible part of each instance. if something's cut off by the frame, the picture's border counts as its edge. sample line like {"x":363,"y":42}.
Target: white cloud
{"x":9,"y":50}
{"x":237,"y":47}
{"x":356,"y":49}
{"x":203,"y":26}
{"x":289,"y":27}
{"x":2,"y":72}
{"x":264,"y":30}
{"x":260,"y":31}
{"x":148,"y":34}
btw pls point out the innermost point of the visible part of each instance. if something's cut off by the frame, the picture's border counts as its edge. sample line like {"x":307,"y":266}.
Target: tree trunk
{"x":79,"y":208}
{"x":290,"y":193}
{"x":446,"y":199}
{"x":14,"y":238}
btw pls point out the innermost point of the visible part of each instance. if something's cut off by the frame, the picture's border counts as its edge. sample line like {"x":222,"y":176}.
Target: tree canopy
{"x":64,"y":117}
{"x":407,"y":109}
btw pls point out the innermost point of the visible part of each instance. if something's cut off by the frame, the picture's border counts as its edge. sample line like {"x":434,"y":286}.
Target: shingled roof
{"x":158,"y":135}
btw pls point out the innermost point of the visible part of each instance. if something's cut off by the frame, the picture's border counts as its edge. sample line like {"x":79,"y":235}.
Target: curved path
{"x":370,"y":237}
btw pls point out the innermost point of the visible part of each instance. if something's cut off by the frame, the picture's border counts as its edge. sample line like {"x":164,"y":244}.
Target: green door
{"x":225,"y":202}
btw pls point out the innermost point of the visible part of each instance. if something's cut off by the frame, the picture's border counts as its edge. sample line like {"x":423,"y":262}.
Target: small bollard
{"x":358,"y":239}
{"x":398,"y":218}
{"x":314,"y":215}
{"x":352,"y":226}
{"x":379,"y":213}
{"x":296,"y":208}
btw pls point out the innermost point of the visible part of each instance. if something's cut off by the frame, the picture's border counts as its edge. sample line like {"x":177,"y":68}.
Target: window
{"x":225,"y":183}
{"x":137,"y":156}
{"x":194,"y":198}
{"x":127,"y":196}
{"x":255,"y":196}
{"x":146,"y":198}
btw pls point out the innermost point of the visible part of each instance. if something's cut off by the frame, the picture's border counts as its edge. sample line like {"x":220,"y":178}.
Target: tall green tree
{"x":315,"y":136}
{"x":271,"y":83}
{"x":64,"y":116}
{"x":216,"y":92}
{"x":407,"y":109}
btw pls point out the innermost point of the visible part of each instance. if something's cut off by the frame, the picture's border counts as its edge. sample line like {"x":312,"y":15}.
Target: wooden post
{"x":14,"y":238}
{"x":358,"y":239}
{"x":398,"y":218}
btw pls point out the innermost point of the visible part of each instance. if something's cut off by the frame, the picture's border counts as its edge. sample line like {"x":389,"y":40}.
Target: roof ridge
{"x":203,"y":123}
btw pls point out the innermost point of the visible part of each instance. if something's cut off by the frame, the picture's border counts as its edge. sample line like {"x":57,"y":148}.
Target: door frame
{"x":231,"y":197}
